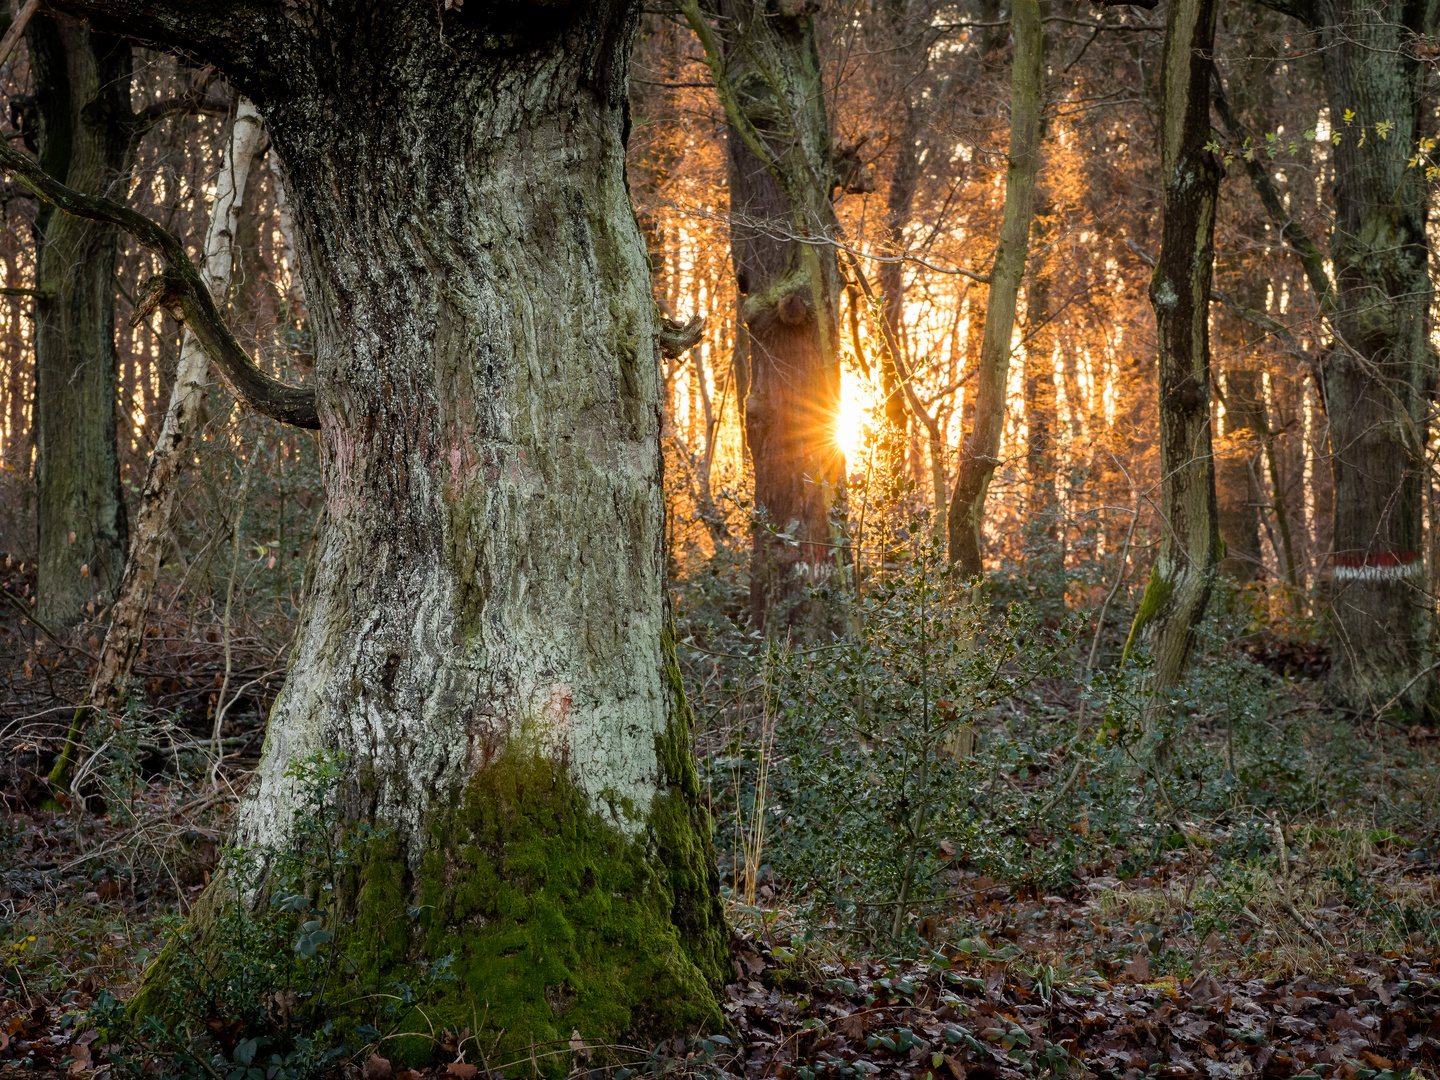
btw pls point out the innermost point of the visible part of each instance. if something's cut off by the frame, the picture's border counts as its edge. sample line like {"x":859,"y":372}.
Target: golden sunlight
{"x":852,"y":425}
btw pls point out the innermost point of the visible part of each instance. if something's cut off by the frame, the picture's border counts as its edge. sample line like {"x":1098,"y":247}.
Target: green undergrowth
{"x":529,"y":926}
{"x":964,"y":749}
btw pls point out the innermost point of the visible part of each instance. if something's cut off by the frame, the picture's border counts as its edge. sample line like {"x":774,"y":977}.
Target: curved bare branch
{"x":182,"y":291}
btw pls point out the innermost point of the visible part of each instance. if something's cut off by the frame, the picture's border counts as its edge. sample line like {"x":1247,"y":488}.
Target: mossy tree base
{"x":556,"y":920}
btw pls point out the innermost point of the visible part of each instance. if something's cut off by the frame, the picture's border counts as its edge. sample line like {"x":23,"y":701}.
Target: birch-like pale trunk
{"x":980,"y":453}
{"x":151,"y":530}
{"x":484,"y":637}
{"x":1185,"y":566}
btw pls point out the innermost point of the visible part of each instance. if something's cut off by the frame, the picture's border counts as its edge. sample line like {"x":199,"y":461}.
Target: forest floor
{"x":1322,"y":962}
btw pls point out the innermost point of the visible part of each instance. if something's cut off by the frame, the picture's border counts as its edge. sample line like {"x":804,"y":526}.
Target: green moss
{"x":1157,"y":592}
{"x":556,"y":920}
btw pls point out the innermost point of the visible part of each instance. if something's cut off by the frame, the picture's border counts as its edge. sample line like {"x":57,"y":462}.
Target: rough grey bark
{"x":1185,"y":566}
{"x":978,"y":455}
{"x":483,"y":638}
{"x":79,"y":126}
{"x":782,"y":174}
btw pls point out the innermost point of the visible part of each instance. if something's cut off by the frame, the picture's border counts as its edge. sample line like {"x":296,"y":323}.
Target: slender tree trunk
{"x":1380,"y":374}
{"x":1185,"y":566}
{"x":892,"y":280}
{"x":1237,"y":497}
{"x":1044,"y":511}
{"x":157,"y":498}
{"x":484,"y":637}
{"x":979,"y":455}
{"x":767,"y":72}
{"x":82,"y":136}
{"x":1291,"y":568}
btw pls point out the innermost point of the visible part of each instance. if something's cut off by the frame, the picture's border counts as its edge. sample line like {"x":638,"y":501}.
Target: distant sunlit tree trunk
{"x":979,"y":455}
{"x":1044,"y":505}
{"x":1237,"y":472}
{"x":782,"y":172}
{"x":1185,"y":567}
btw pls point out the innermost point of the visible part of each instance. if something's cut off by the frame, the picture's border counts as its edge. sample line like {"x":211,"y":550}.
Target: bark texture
{"x":1185,"y":566}
{"x":782,"y":174}
{"x":483,"y":636}
{"x":79,"y":127}
{"x":978,"y":454}
{"x":1380,"y":374}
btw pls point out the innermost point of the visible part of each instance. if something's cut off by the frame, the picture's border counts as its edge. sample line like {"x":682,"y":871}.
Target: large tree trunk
{"x":782,"y":173}
{"x":484,"y":636}
{"x":1185,"y":566}
{"x":980,"y":452}
{"x":1380,"y":373}
{"x":81,"y":133}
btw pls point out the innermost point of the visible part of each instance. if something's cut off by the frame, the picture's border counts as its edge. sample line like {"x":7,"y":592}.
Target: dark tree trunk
{"x":484,"y":635}
{"x":898,"y":200}
{"x":1044,"y":508}
{"x":1380,"y":373}
{"x":1237,"y":488}
{"x":81,"y":133}
{"x":1185,"y":566}
{"x":782,"y":174}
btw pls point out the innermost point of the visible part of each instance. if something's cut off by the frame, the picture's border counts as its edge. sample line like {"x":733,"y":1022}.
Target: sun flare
{"x":852,"y":422}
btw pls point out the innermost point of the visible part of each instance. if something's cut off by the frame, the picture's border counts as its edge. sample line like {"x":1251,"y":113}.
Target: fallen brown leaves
{"x":980,"y":1019}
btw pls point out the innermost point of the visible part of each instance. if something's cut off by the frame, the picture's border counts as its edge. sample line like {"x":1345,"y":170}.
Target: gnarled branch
{"x":181,"y":290}
{"x":676,"y":338}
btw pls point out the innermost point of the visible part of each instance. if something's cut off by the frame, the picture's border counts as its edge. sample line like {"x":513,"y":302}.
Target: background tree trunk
{"x":898,"y":199}
{"x":1185,"y":566}
{"x":81,"y":134}
{"x":782,"y":173}
{"x":978,"y":455}
{"x":1380,"y":373}
{"x":1044,"y":502}
{"x":1238,"y":495}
